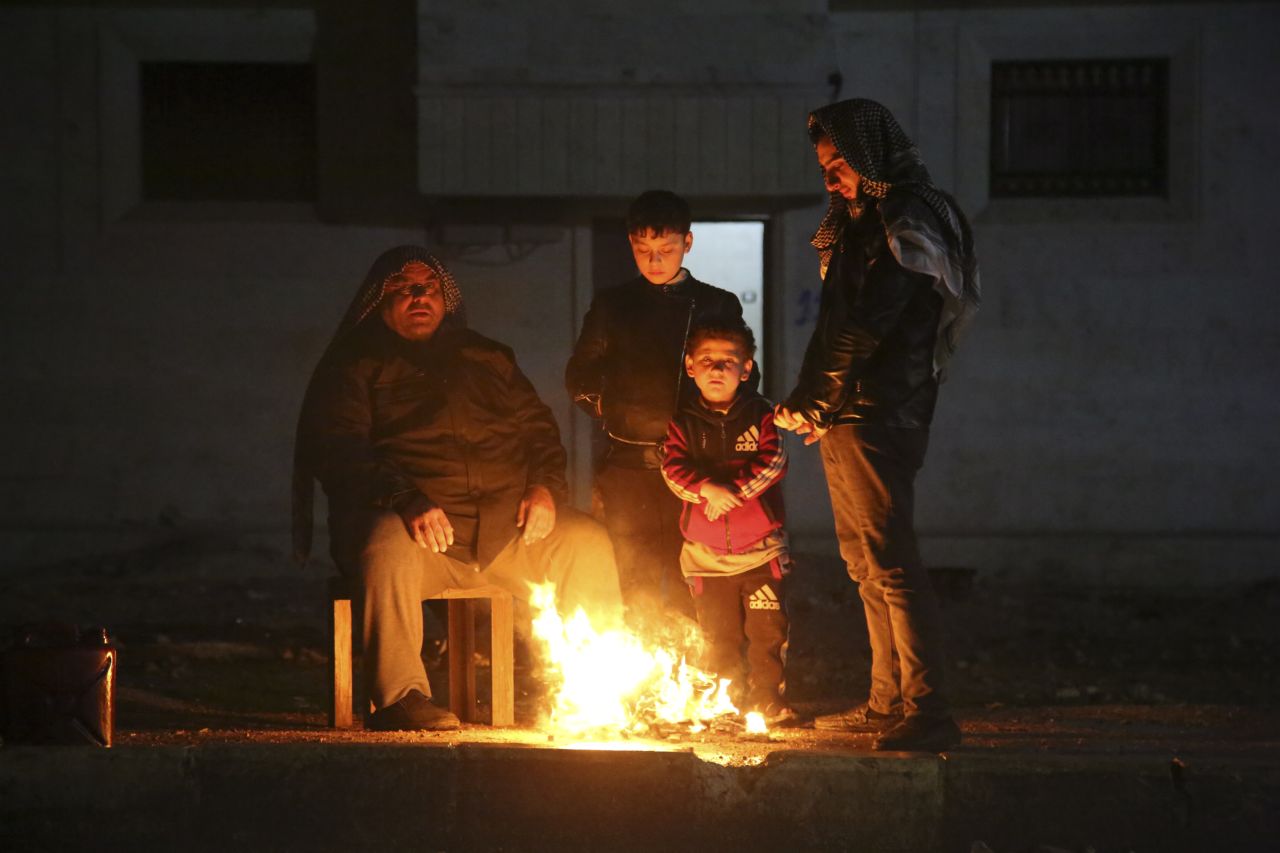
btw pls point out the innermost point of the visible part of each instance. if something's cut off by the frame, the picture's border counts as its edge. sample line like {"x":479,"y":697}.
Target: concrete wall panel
{"x":1111,"y":415}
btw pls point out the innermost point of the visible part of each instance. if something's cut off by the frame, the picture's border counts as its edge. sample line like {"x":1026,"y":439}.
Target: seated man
{"x":443,"y":469}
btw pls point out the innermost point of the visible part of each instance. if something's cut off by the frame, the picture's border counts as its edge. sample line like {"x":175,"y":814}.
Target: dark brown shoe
{"x":920,"y":734}
{"x":859,"y":718}
{"x":414,"y":712}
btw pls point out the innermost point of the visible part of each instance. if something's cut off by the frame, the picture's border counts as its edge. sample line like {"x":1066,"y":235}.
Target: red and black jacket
{"x":741,"y":449}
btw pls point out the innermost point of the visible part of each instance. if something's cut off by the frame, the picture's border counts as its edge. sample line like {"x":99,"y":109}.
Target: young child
{"x":724,"y":459}
{"x":627,"y":370}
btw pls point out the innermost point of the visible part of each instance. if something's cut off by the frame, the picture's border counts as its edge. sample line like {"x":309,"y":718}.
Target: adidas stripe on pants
{"x":746,"y":607}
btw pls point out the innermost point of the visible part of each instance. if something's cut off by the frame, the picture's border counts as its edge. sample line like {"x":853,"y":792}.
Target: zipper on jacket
{"x":728,"y":542}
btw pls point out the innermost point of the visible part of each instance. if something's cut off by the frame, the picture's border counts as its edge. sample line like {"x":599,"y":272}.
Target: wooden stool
{"x":462,"y":645}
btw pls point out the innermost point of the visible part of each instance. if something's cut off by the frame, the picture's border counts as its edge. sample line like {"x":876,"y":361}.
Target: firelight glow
{"x":611,"y":684}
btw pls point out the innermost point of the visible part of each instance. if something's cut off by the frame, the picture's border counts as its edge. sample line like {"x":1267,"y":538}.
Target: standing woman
{"x":899,"y":283}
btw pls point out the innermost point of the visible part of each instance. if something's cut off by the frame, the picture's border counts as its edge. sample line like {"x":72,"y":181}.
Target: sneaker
{"x":414,"y":712}
{"x":860,"y":718}
{"x":918,"y":733}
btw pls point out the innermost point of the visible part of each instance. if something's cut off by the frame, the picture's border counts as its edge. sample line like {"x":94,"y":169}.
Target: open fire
{"x":610,"y":683}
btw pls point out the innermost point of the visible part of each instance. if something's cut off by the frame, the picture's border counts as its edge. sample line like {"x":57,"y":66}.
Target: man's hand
{"x":717,"y":500}
{"x":799,"y":424}
{"x":427,"y":524}
{"x":537,"y":514}
{"x":593,"y":404}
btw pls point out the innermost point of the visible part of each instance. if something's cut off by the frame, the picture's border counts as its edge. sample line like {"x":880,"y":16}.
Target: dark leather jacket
{"x":870,"y":359}
{"x":628,"y":367}
{"x":452,"y":418}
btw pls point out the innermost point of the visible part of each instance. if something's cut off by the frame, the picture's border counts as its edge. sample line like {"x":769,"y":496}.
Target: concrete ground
{"x":1103,"y":719}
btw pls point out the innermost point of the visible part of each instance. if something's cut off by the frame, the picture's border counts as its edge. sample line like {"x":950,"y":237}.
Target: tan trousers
{"x":397,"y":575}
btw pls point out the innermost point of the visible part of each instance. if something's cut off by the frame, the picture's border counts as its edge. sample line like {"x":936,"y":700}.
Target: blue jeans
{"x":871,"y":472}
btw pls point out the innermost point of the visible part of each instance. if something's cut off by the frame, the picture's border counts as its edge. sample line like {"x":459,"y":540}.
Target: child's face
{"x":718,"y":368}
{"x":660,"y":256}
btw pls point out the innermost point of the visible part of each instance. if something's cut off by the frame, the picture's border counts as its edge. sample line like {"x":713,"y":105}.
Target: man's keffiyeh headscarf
{"x":362,"y":310}
{"x":872,"y":142}
{"x":388,"y":264}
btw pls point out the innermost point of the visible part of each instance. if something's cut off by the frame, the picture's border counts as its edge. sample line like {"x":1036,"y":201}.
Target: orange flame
{"x":612,"y":683}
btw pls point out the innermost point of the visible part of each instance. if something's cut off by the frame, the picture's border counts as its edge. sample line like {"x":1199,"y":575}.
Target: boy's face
{"x":660,"y":256}
{"x":718,"y":368}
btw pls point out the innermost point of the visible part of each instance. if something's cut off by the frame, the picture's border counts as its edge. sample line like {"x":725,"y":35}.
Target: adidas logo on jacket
{"x":741,"y":448}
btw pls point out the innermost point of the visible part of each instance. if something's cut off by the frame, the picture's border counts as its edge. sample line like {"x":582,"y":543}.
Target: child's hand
{"x":784,"y":418}
{"x":717,"y":500}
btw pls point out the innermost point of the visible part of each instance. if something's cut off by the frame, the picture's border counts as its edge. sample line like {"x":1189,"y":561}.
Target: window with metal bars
{"x":1080,"y":128}
{"x":224,"y":131}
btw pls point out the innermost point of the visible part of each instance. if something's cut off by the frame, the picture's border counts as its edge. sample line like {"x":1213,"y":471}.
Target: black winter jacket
{"x":628,"y":364}
{"x":453,"y":418}
{"x":870,"y":359}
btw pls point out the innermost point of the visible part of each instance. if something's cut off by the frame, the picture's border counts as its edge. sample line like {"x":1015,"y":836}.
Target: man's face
{"x":718,"y":367}
{"x":413,"y":302}
{"x":837,"y":175}
{"x":660,"y":256}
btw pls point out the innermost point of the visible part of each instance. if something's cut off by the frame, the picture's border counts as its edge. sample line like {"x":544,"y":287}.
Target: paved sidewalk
{"x":512,"y":790}
{"x":1104,"y":719}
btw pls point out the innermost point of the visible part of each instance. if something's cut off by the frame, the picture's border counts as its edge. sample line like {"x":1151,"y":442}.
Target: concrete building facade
{"x":1112,"y":416}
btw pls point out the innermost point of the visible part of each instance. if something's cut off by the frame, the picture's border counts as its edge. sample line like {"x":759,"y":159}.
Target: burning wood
{"x":610,"y":683}
{"x":755,"y":723}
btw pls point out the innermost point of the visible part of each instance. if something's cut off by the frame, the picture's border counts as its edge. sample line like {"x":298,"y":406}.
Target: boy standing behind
{"x":725,"y":459}
{"x":627,"y":369}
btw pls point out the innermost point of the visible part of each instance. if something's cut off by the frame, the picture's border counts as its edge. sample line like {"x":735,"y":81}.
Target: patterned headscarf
{"x":362,"y":307}
{"x":872,"y":142}
{"x":388,"y":264}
